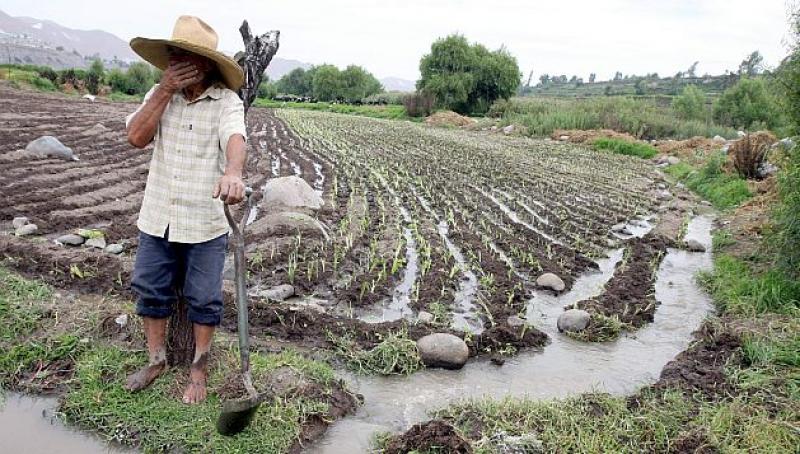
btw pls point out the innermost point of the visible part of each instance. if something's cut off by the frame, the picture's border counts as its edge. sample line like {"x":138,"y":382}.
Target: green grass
{"x":601,"y":329}
{"x":123,"y":97}
{"x":389,"y":112}
{"x":396,"y":354}
{"x":157,"y":420}
{"x":19,"y":312}
{"x":625,"y":147}
{"x":723,"y":190}
{"x":738,"y":290}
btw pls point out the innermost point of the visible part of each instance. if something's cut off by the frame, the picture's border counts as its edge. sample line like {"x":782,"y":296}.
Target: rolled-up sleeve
{"x":138,"y":109}
{"x":231,"y":120}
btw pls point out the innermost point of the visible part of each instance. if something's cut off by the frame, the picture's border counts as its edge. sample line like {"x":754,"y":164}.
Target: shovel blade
{"x":236,"y":415}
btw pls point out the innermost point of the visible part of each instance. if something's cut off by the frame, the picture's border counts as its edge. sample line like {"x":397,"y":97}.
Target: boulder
{"x":97,"y":242}
{"x":49,"y":146}
{"x":289,"y":193}
{"x":19,"y":222}
{"x":25,"y":230}
{"x":573,"y":320}
{"x":70,"y":239}
{"x":695,"y":246}
{"x":276,"y":293}
{"x":424,"y":317}
{"x":114,"y":248}
{"x":443,"y":350}
{"x":551,"y":281}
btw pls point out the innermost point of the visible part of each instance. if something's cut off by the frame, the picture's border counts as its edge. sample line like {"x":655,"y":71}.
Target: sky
{"x":388,"y":37}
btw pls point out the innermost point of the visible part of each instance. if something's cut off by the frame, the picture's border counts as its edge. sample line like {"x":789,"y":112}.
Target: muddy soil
{"x":432,"y":436}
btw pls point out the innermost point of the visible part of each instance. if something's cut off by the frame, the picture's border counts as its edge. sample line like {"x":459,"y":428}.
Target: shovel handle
{"x":241,"y":289}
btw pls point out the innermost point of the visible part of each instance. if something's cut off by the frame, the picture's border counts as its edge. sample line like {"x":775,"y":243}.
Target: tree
{"x":746,"y":103}
{"x":618,"y":76}
{"x":358,"y":83}
{"x":752,"y":64}
{"x":592,"y":78}
{"x":296,"y":82}
{"x":467,"y":78}
{"x":544,"y":79}
{"x":140,"y":78}
{"x":326,"y":85}
{"x":95,"y":76}
{"x":692,"y":69}
{"x":267,"y":89}
{"x":690,"y":104}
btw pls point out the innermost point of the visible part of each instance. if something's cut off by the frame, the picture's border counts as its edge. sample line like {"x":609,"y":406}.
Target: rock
{"x":695,"y":246}
{"x":443,"y":350}
{"x":672,"y":160}
{"x":551,"y":281}
{"x":114,"y":248}
{"x":97,"y":129}
{"x":98,"y":242}
{"x":765,"y":169}
{"x":508,"y":129}
{"x":276,"y":293}
{"x":287,"y":193}
{"x":618,"y":227}
{"x":299,"y":304}
{"x":726,"y":147}
{"x":664,"y":195}
{"x":288,"y":221}
{"x":122,"y":320}
{"x":680,"y":185}
{"x":718,"y":138}
{"x":786,"y":143}
{"x":70,"y":239}
{"x":493,"y":128}
{"x":661,"y":186}
{"x":741,"y":133}
{"x":424,"y":317}
{"x":515,"y":321}
{"x":47,"y":146}
{"x":625,"y":231}
{"x":573,"y":320}
{"x":25,"y":230}
{"x":19,"y":222}
{"x":563,"y":138}
{"x":89,"y":97}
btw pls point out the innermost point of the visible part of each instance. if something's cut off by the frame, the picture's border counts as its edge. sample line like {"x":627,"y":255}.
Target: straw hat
{"x":192,"y":35}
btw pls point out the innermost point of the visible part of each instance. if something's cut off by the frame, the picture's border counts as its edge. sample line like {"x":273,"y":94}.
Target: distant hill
{"x":397,"y":84}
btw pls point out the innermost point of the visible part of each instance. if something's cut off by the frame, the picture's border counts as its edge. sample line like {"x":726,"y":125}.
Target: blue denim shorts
{"x":163,"y":267}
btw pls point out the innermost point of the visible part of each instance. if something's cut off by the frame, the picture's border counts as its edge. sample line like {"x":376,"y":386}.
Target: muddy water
{"x":28,"y":425}
{"x":565,"y":367}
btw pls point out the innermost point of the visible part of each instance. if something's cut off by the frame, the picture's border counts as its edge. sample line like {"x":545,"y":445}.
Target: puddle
{"x":565,"y":367}
{"x":27,"y":424}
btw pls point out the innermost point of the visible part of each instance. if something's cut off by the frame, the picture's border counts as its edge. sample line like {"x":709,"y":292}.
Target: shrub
{"x":711,"y":181}
{"x":748,"y":153}
{"x":267,"y":90}
{"x":620,"y":146}
{"x":418,"y":104}
{"x":690,"y":104}
{"x":748,"y":102}
{"x":43,"y":84}
{"x":786,"y":221}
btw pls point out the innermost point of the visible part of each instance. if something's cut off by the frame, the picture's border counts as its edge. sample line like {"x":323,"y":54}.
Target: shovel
{"x":237,"y":414}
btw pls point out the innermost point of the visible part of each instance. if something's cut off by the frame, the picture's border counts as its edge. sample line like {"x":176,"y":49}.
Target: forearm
{"x":235,"y":154}
{"x":142,"y":127}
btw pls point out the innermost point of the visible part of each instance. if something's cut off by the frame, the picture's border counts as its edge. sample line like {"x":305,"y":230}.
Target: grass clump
{"x":156,"y":420}
{"x":625,"y":147}
{"x":722,"y":189}
{"x":601,"y":329}
{"x":396,"y":354}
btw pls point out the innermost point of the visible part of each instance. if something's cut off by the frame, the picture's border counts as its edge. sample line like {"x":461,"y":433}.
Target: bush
{"x":746,"y":103}
{"x":690,"y":104}
{"x":418,"y":104}
{"x":620,"y":146}
{"x":749,"y":152}
{"x":711,"y":181}
{"x":267,"y":90}
{"x":139,"y":78}
{"x":785,"y":218}
{"x":43,"y":84}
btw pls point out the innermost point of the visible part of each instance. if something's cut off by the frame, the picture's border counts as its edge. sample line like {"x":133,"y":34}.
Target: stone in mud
{"x":288,"y":193}
{"x":673,"y":160}
{"x":97,"y":129}
{"x":299,"y":304}
{"x":661,"y":186}
{"x":563,"y":138}
{"x":71,"y":239}
{"x":424,"y":317}
{"x":508,"y":129}
{"x":443,"y":350}
{"x":551,"y":281}
{"x":695,"y":246}
{"x":114,"y":248}
{"x":277,"y":293}
{"x":19,"y":222}
{"x":573,"y":320}
{"x":98,"y":242}
{"x":664,"y":195}
{"x":617,"y":227}
{"x":49,"y":146}
{"x":25,"y":230}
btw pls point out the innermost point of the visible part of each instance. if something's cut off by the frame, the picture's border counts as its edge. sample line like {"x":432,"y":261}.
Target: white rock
{"x":276,"y":293}
{"x":46,"y":146}
{"x":672,"y":160}
{"x":443,"y":350}
{"x":508,"y":129}
{"x":741,"y":133}
{"x":718,"y":138}
{"x":70,"y":239}
{"x":563,"y":138}
{"x":114,"y":248}
{"x":424,"y":317}
{"x":551,"y":281}
{"x":290,"y":192}
{"x":19,"y":222}
{"x":25,"y":230}
{"x":515,"y":321}
{"x":122,"y":320}
{"x":573,"y":320}
{"x":664,"y":195}
{"x":89,"y":97}
{"x":98,"y":242}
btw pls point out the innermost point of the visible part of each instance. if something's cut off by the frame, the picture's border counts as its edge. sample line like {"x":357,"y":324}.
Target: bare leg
{"x":155,"y":331}
{"x":198,"y":373}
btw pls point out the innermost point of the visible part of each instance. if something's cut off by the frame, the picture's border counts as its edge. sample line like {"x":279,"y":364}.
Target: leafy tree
{"x":327,"y":83}
{"x":618,"y":76}
{"x":140,"y":78}
{"x":690,"y":104}
{"x":117,"y":80}
{"x":752,"y":64}
{"x":267,"y":89}
{"x":467,"y":78}
{"x":358,"y":83}
{"x":691,"y":72}
{"x":95,"y":76}
{"x":297,"y":82}
{"x":746,"y":103}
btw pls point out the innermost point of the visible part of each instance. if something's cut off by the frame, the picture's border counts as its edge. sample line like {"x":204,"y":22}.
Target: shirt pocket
{"x":205,"y":139}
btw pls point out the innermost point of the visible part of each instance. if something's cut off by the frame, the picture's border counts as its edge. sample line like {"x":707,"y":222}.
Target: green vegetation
{"x":328,"y":83}
{"x":390,"y":112}
{"x":467,"y":78}
{"x":690,"y":104}
{"x":135,"y":81}
{"x":625,"y":147}
{"x":749,"y":105}
{"x":641,"y":117}
{"x":722,"y":189}
{"x":396,"y":354}
{"x":601,"y":329}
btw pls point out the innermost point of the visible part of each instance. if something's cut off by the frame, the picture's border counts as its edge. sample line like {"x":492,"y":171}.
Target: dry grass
{"x":750,"y":151}
{"x":448,"y":118}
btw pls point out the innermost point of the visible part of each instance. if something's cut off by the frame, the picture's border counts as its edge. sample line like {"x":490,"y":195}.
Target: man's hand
{"x":178,"y":76}
{"x":229,"y":188}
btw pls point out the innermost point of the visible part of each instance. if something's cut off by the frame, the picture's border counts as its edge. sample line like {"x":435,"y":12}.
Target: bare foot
{"x":196,"y":391}
{"x":142,"y":378}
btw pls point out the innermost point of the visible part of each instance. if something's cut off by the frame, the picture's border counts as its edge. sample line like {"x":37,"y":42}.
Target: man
{"x":196,"y":121}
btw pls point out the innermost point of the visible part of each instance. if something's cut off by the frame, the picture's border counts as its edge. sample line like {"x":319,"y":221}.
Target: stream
{"x":565,"y":367}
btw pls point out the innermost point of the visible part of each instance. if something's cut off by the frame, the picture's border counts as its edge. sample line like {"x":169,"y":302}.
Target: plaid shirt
{"x":188,"y":160}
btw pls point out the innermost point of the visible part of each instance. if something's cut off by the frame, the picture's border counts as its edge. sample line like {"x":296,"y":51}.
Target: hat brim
{"x":154,"y":51}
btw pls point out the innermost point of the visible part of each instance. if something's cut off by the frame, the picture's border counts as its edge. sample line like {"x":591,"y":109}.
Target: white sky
{"x":388,"y":37}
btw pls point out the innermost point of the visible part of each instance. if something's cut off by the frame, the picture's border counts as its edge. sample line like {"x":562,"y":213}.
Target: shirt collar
{"x":213,"y":92}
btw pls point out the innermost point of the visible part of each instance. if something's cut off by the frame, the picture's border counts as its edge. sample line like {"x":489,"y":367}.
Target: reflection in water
{"x":565,"y":367}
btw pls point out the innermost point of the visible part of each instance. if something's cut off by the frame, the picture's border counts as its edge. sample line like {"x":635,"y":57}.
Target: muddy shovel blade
{"x":236,"y":415}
